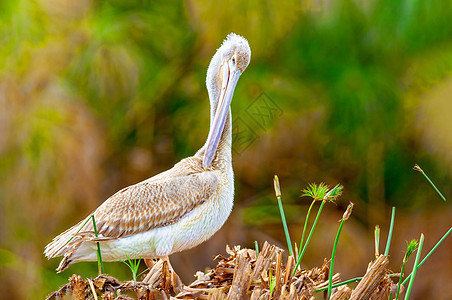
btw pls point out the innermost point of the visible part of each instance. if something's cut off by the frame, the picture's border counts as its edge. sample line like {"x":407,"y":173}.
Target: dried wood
{"x":255,"y":295}
{"x":241,"y":275}
{"x":336,"y":279}
{"x":383,"y":289}
{"x":242,"y":278}
{"x":217,"y":294}
{"x":284,"y":293}
{"x":289,"y":269}
{"x":277,"y":288}
{"x":293,"y":291}
{"x":264,"y":259}
{"x":375,"y":273}
{"x":342,"y":293}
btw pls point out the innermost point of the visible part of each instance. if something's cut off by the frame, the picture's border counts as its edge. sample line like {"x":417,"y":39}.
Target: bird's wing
{"x":151,"y":204}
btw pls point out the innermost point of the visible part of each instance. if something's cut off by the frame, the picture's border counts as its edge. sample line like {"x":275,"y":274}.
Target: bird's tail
{"x":66,"y":243}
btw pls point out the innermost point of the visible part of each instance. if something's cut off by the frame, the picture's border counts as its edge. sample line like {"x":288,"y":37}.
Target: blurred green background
{"x":98,"y":95}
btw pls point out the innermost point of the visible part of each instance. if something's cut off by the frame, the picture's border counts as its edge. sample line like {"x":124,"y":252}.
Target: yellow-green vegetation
{"x":134,"y":265}
{"x":98,"y":95}
{"x":377,"y":281}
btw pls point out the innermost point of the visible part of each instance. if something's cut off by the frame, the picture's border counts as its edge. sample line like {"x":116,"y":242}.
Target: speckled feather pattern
{"x":155,"y":203}
{"x":170,"y":212}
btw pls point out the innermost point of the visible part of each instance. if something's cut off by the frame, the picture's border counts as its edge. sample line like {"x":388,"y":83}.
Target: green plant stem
{"x":430,"y":253}
{"x":145,"y":270}
{"x":133,"y":265}
{"x":256,"y":247}
{"x":415,"y":267}
{"x":434,"y":186}
{"x":340,"y":283}
{"x":271,"y":282}
{"x":333,"y":255}
{"x":391,"y":227}
{"x":286,"y":230}
{"x":377,"y":240}
{"x":304,"y":227}
{"x":400,"y":279}
{"x":417,"y":168}
{"x":281,"y":211}
{"x":309,"y":236}
{"x":346,"y":282}
{"x":99,"y":255}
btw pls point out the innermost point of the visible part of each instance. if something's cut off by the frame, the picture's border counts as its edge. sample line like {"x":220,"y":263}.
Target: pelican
{"x":177,"y":209}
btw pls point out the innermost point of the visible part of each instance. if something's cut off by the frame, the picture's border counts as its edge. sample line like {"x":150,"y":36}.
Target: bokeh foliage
{"x":97,"y":95}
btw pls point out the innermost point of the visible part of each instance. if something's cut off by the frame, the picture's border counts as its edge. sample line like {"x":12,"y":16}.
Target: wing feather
{"x":158,"y":201}
{"x":152,"y":204}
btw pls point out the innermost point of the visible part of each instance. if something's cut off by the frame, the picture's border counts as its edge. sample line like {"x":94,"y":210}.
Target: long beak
{"x":227,"y":90}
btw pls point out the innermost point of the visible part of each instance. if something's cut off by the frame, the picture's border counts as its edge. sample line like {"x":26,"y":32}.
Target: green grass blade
{"x":377,"y":240}
{"x":356,"y":279}
{"x":283,"y":217}
{"x":256,"y":247}
{"x":134,"y":265}
{"x":147,"y":269}
{"x":428,"y":255}
{"x":400,"y":280}
{"x":434,"y":186}
{"x":309,"y":237}
{"x":286,"y":230}
{"x":128,"y":263}
{"x":411,"y":247}
{"x":415,"y":267}
{"x":391,"y":227}
{"x":99,"y":255}
{"x":271,"y":282}
{"x":304,"y":227}
{"x":417,"y":168}
{"x":333,"y":256}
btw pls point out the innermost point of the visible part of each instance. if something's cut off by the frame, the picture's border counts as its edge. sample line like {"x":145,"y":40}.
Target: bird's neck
{"x":213,"y":83}
{"x":223,"y":152}
{"x":223,"y":156}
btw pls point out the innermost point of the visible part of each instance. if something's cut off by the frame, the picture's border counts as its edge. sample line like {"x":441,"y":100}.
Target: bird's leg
{"x":175,"y":280}
{"x":166,"y":258}
{"x":157,"y":272}
{"x":149,"y":263}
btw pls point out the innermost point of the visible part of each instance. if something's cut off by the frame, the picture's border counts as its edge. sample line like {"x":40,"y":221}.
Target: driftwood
{"x":242,"y":275}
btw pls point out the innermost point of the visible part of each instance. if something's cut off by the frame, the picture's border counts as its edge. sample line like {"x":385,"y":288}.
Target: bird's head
{"x":225,"y":68}
{"x":232,"y":57}
{"x":235,"y":51}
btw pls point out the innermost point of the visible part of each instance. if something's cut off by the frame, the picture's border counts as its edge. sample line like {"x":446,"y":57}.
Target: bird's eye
{"x":233,"y":60}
